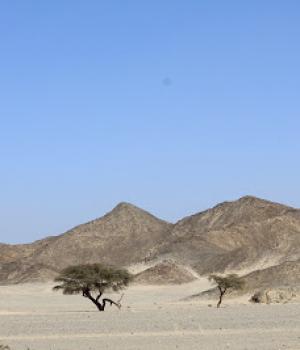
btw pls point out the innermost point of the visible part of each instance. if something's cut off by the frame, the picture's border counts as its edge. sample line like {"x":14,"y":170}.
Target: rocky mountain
{"x":122,"y":237}
{"x":241,"y":236}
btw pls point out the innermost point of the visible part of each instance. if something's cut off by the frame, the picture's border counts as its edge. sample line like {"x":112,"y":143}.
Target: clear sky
{"x":170,"y":105}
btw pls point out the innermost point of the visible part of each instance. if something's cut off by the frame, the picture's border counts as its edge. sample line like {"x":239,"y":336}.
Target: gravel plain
{"x":33,"y":316}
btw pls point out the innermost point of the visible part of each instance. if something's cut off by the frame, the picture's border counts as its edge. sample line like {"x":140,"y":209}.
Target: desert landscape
{"x":150,"y":194}
{"x":171,"y":302}
{"x":151,"y":317}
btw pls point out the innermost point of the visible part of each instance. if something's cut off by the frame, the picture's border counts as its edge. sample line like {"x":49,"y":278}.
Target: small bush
{"x":257,"y":298}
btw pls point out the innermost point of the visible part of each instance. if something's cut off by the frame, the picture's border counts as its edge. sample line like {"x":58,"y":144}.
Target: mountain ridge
{"x":246,"y":234}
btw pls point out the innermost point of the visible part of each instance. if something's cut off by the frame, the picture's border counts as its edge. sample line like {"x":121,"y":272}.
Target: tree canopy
{"x":230,"y":281}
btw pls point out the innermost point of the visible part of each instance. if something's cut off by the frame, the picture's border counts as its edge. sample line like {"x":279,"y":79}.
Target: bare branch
{"x":118,"y":305}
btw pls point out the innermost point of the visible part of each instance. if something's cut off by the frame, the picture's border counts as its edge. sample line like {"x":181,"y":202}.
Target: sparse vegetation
{"x":91,"y":279}
{"x":231,"y":281}
{"x":257,"y":297}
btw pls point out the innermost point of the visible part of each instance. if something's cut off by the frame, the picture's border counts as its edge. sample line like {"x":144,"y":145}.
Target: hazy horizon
{"x":172,"y":106}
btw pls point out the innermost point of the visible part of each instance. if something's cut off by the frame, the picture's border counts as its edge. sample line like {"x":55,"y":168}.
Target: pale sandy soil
{"x":151,"y":318}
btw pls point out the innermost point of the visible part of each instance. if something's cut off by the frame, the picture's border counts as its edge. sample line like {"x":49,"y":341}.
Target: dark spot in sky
{"x":167,"y":81}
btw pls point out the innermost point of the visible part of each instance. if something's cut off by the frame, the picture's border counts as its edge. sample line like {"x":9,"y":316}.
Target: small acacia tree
{"x":91,"y":281}
{"x":224,"y":283}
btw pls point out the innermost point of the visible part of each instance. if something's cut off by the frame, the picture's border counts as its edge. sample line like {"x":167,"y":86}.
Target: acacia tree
{"x":231,"y":281}
{"x":91,"y":281}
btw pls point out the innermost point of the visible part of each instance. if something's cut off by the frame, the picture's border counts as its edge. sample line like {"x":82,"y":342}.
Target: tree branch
{"x":99,"y":296}
{"x":118,"y":305}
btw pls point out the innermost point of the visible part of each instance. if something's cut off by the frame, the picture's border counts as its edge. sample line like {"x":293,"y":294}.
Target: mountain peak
{"x":249,"y":198}
{"x":125,"y":206}
{"x":242,"y":201}
{"x":125,"y":209}
{"x":259,"y":201}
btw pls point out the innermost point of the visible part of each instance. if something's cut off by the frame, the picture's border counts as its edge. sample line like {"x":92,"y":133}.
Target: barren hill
{"x":242,"y":236}
{"x":281,"y":283}
{"x":247,"y":234}
{"x":121,"y":237}
{"x":286,"y":274}
{"x":165,"y":272}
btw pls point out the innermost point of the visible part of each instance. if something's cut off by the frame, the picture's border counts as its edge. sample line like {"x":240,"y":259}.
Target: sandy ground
{"x":151,"y":318}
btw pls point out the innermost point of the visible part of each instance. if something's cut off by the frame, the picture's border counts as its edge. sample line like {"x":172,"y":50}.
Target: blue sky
{"x":171,"y":105}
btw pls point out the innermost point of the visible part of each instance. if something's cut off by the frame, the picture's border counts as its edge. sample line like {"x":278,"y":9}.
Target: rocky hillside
{"x":165,"y":272}
{"x":280,"y":283}
{"x":242,"y":236}
{"x":286,"y":274}
{"x":121,"y":237}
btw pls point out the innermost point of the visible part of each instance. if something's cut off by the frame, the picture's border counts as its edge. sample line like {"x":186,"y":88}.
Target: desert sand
{"x":152,"y":317}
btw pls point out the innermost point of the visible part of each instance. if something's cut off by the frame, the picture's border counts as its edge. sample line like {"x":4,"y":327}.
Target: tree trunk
{"x":222,"y":292}
{"x":100,"y":307}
